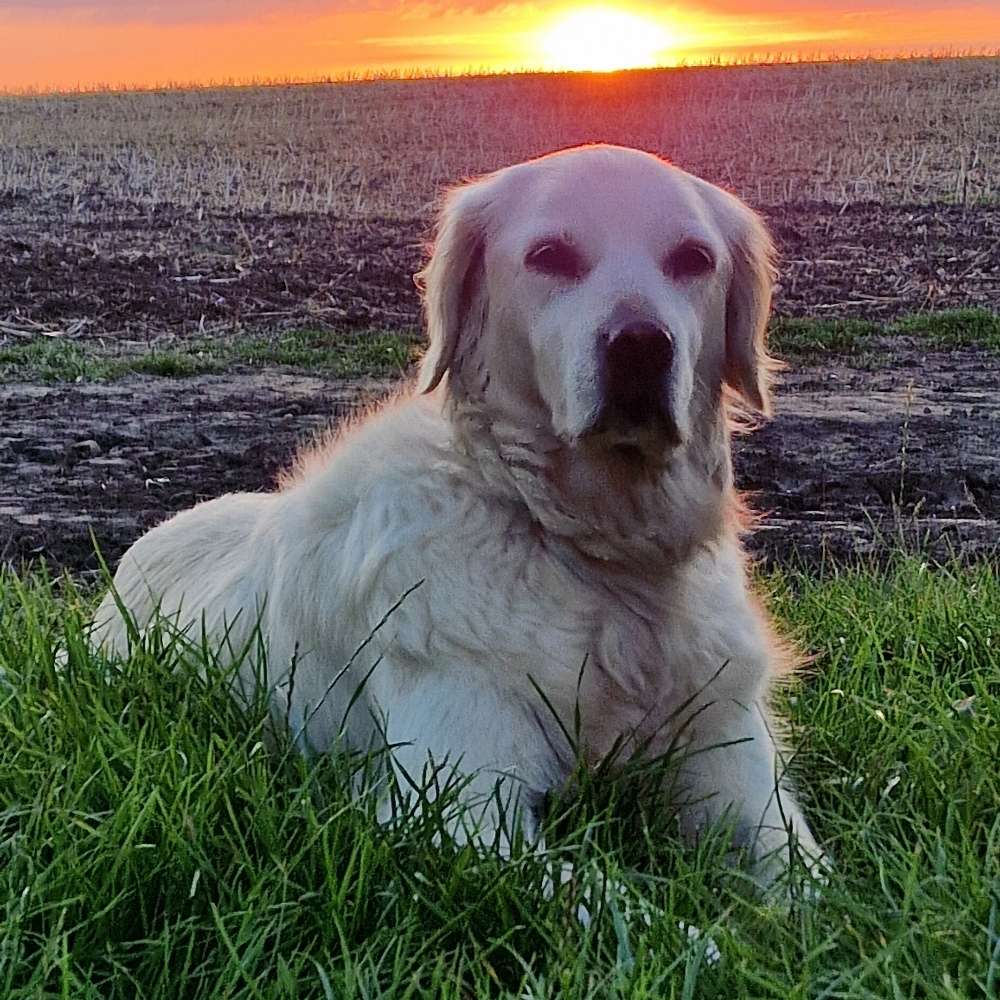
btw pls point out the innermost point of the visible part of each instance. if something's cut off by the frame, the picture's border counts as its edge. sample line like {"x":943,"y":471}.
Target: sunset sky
{"x":71,"y":43}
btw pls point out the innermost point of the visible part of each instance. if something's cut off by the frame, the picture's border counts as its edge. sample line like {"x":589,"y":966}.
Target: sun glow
{"x":603,"y":39}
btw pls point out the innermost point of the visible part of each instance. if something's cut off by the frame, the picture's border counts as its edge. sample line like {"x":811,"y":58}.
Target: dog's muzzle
{"x":636,"y":359}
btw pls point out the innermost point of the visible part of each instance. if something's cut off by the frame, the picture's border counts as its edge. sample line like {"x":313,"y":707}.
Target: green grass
{"x":375,"y":352}
{"x":804,"y":337}
{"x":349,"y":354}
{"x":352,"y":354}
{"x":150,"y":845}
{"x":953,"y":328}
{"x":49,"y":360}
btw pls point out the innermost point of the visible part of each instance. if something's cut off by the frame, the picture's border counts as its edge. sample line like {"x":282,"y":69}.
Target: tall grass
{"x":155,"y":842}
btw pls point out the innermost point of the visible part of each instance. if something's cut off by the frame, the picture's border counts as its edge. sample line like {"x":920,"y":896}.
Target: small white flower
{"x":712,"y":953}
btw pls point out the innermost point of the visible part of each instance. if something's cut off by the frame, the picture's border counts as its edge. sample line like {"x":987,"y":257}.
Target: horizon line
{"x":418,"y":74}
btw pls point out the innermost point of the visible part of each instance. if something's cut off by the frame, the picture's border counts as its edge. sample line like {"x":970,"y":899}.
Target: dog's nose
{"x":638,"y":356}
{"x":641,"y":350}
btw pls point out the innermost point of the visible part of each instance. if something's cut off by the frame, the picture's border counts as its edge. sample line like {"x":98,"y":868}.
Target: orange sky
{"x":70,"y":43}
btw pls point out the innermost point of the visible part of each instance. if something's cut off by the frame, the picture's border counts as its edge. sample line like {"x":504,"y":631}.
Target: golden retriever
{"x":549,"y":512}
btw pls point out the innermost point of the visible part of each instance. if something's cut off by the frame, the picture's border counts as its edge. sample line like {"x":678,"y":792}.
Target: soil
{"x":854,"y":458}
{"x":147,"y":273}
{"x":858,"y":461}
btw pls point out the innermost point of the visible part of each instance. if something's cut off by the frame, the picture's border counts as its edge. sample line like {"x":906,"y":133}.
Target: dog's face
{"x":604,"y":288}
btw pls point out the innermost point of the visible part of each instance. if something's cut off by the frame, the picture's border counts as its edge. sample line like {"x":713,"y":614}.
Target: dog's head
{"x":602,"y":290}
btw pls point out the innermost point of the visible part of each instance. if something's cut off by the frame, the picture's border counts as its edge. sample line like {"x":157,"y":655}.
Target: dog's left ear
{"x":749,"y":367}
{"x":452,"y":280}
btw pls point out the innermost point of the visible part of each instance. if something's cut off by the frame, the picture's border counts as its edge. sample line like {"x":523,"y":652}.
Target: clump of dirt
{"x":853,"y":459}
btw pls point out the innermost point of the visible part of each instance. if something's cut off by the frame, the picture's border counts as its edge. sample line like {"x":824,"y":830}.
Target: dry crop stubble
{"x":917,"y":131}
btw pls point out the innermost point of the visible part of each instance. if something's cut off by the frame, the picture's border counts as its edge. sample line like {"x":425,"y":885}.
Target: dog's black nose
{"x":638,"y":356}
{"x":641,"y":350}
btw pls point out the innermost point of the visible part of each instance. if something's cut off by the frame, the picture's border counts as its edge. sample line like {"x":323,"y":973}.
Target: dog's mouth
{"x":636,"y":411}
{"x":645,"y":423}
{"x":638,"y":408}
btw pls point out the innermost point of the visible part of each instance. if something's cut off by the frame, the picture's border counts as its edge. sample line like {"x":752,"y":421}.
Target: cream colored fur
{"x":544,"y":546}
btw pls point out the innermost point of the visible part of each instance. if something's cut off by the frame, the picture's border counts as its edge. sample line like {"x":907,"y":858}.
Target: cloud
{"x":225,"y":11}
{"x":120,"y":12}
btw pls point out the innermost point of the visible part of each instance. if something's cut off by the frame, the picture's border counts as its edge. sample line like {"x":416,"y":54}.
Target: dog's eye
{"x":690,"y":260}
{"x":555,"y":257}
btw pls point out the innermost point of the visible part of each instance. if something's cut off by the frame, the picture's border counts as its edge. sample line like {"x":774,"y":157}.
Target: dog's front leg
{"x":741,"y":779}
{"x":452,"y":734}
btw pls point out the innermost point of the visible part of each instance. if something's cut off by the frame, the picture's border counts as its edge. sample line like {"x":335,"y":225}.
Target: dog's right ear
{"x":452,"y":280}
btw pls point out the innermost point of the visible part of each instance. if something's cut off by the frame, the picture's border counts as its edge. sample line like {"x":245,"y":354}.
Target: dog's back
{"x":199,"y":571}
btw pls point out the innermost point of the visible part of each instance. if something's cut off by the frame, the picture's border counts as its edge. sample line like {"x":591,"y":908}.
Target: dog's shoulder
{"x":393,"y":481}
{"x":716,"y":620}
{"x":401,"y":441}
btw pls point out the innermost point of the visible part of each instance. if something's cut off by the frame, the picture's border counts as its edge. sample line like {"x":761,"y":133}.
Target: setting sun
{"x":603,"y":39}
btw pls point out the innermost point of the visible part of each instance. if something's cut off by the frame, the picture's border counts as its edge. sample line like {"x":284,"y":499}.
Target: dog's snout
{"x":641,"y":347}
{"x":638,"y":355}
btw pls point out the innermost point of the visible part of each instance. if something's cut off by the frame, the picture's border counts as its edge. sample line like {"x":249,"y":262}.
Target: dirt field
{"x":118,"y":227}
{"x":854,"y":458}
{"x":144,"y":274}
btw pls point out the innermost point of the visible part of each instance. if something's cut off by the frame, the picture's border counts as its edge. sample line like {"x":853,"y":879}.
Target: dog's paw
{"x":584,"y":887}
{"x":591,"y":892}
{"x":792,"y":875}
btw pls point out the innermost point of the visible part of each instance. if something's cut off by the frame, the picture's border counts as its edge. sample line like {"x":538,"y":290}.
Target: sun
{"x":602,"y":39}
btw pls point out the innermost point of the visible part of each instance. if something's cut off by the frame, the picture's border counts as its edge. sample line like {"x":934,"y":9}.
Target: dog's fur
{"x":562,"y":548}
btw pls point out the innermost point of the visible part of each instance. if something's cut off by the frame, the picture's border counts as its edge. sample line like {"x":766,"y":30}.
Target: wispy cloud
{"x":188,"y":11}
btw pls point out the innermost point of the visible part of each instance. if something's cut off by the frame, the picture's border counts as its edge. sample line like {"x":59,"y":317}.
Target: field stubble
{"x":153,"y":214}
{"x":900,"y":132}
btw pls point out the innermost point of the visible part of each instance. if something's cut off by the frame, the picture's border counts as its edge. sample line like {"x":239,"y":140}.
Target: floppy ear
{"x":452,"y":279}
{"x":748,"y":367}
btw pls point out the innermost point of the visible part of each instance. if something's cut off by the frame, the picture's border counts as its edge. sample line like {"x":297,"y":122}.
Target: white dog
{"x":551,"y":512}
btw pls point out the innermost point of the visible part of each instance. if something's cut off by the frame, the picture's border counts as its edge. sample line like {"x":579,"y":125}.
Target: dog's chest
{"x":526,"y":616}
{"x":629,"y":644}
